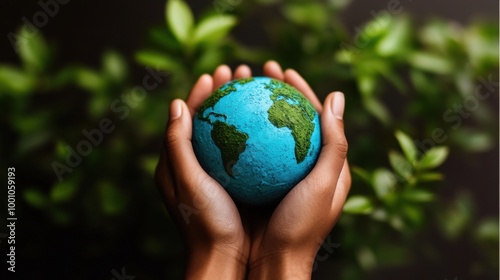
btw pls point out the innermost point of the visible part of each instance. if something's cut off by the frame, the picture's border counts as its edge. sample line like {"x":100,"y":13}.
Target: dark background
{"x":83,"y":29}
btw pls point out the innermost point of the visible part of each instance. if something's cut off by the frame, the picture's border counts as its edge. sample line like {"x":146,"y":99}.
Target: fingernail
{"x":175,"y":109}
{"x":338,"y":103}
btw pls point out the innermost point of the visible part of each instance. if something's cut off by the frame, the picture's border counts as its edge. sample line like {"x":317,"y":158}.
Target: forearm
{"x":214,"y":265}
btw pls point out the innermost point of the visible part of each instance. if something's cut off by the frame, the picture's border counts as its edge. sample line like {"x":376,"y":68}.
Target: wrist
{"x":283,"y":265}
{"x":215,"y":263}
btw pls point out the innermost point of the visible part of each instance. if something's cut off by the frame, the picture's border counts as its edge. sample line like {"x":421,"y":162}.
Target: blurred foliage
{"x":402,"y":82}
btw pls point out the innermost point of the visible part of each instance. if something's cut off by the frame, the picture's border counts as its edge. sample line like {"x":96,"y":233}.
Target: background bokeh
{"x":410,"y":70}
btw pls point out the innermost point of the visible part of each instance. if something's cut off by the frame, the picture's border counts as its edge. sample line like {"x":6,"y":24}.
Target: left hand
{"x":218,"y":245}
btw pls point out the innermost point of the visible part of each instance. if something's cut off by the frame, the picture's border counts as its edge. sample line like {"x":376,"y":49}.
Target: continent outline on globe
{"x":229,"y":153}
{"x":262,"y":140}
{"x":282,"y":93}
{"x":279,"y":116}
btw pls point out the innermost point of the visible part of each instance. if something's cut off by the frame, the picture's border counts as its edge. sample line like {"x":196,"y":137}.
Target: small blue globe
{"x":258,"y":137}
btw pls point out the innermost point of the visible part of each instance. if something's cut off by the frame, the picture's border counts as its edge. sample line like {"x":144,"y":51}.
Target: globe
{"x":258,"y":137}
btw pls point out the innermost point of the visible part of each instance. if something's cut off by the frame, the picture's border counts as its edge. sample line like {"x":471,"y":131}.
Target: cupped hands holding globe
{"x":258,"y":137}
{"x":225,"y":239}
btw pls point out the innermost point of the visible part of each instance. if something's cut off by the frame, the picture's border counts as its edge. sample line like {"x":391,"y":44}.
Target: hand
{"x":275,"y":244}
{"x":218,"y":245}
{"x":284,"y":243}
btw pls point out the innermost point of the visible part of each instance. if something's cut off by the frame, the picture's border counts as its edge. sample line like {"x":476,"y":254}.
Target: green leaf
{"x":344,"y":56}
{"x":90,"y":80}
{"x":35,"y":198}
{"x":431,"y":62}
{"x":465,"y":81}
{"x":115,"y":66}
{"x":307,"y":14}
{"x":471,"y":140}
{"x":383,"y":182}
{"x":33,"y":50}
{"x":63,"y":191}
{"x":421,"y":82}
{"x":488,"y":230}
{"x":63,"y":77}
{"x":418,"y":195}
{"x":377,"y":109}
{"x":213,"y":28}
{"x":363,"y":174}
{"x":374,"y":30}
{"x":481,"y":43}
{"x":14,"y":81}
{"x":413,"y":213}
{"x":456,"y":218}
{"x":395,"y":42}
{"x":430,"y":176}
{"x":367,"y":84}
{"x":148,"y":164}
{"x":339,"y":4}
{"x":397,"y":222}
{"x":209,"y":60}
{"x":164,"y":38}
{"x":402,"y":167}
{"x":60,"y":149}
{"x":222,"y":7}
{"x":158,"y":61}
{"x":31,"y":123}
{"x":180,"y":20}
{"x":407,"y":145}
{"x":434,"y":157}
{"x":395,"y":79}
{"x":379,"y":214}
{"x":366,"y":258}
{"x":358,"y":204}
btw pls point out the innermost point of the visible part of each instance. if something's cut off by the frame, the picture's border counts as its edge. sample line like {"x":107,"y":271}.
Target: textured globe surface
{"x":258,"y":137}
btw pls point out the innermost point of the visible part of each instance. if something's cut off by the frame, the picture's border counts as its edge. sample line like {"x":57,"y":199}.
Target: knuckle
{"x":314,"y":182}
{"x":341,"y":146}
{"x":172,"y":138}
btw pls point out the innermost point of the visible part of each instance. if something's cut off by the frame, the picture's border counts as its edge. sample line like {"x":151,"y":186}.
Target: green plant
{"x":404,"y":89}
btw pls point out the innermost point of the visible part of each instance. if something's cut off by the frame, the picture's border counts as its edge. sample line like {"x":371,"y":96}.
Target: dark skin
{"x":227,"y":241}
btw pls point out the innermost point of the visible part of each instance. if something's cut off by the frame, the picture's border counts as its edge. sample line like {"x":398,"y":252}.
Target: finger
{"x":243,"y":71}
{"x":191,"y":180}
{"x":334,"y":149}
{"x":316,"y":190}
{"x":296,"y":80}
{"x":273,"y":69}
{"x":178,"y":142}
{"x":323,"y":178}
{"x":341,"y":192}
{"x":221,"y":76}
{"x":200,"y":92}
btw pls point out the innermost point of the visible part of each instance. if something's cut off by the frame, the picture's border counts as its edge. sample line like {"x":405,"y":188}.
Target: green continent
{"x":231,"y":143}
{"x":291,"y":109}
{"x":218,"y":95}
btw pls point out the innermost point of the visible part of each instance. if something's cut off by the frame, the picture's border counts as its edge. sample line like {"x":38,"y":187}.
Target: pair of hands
{"x":226,"y":241}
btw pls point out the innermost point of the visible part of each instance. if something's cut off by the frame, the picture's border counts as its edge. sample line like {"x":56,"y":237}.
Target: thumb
{"x":334,"y":146}
{"x":316,"y":190}
{"x":192,"y":185}
{"x":184,"y":164}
